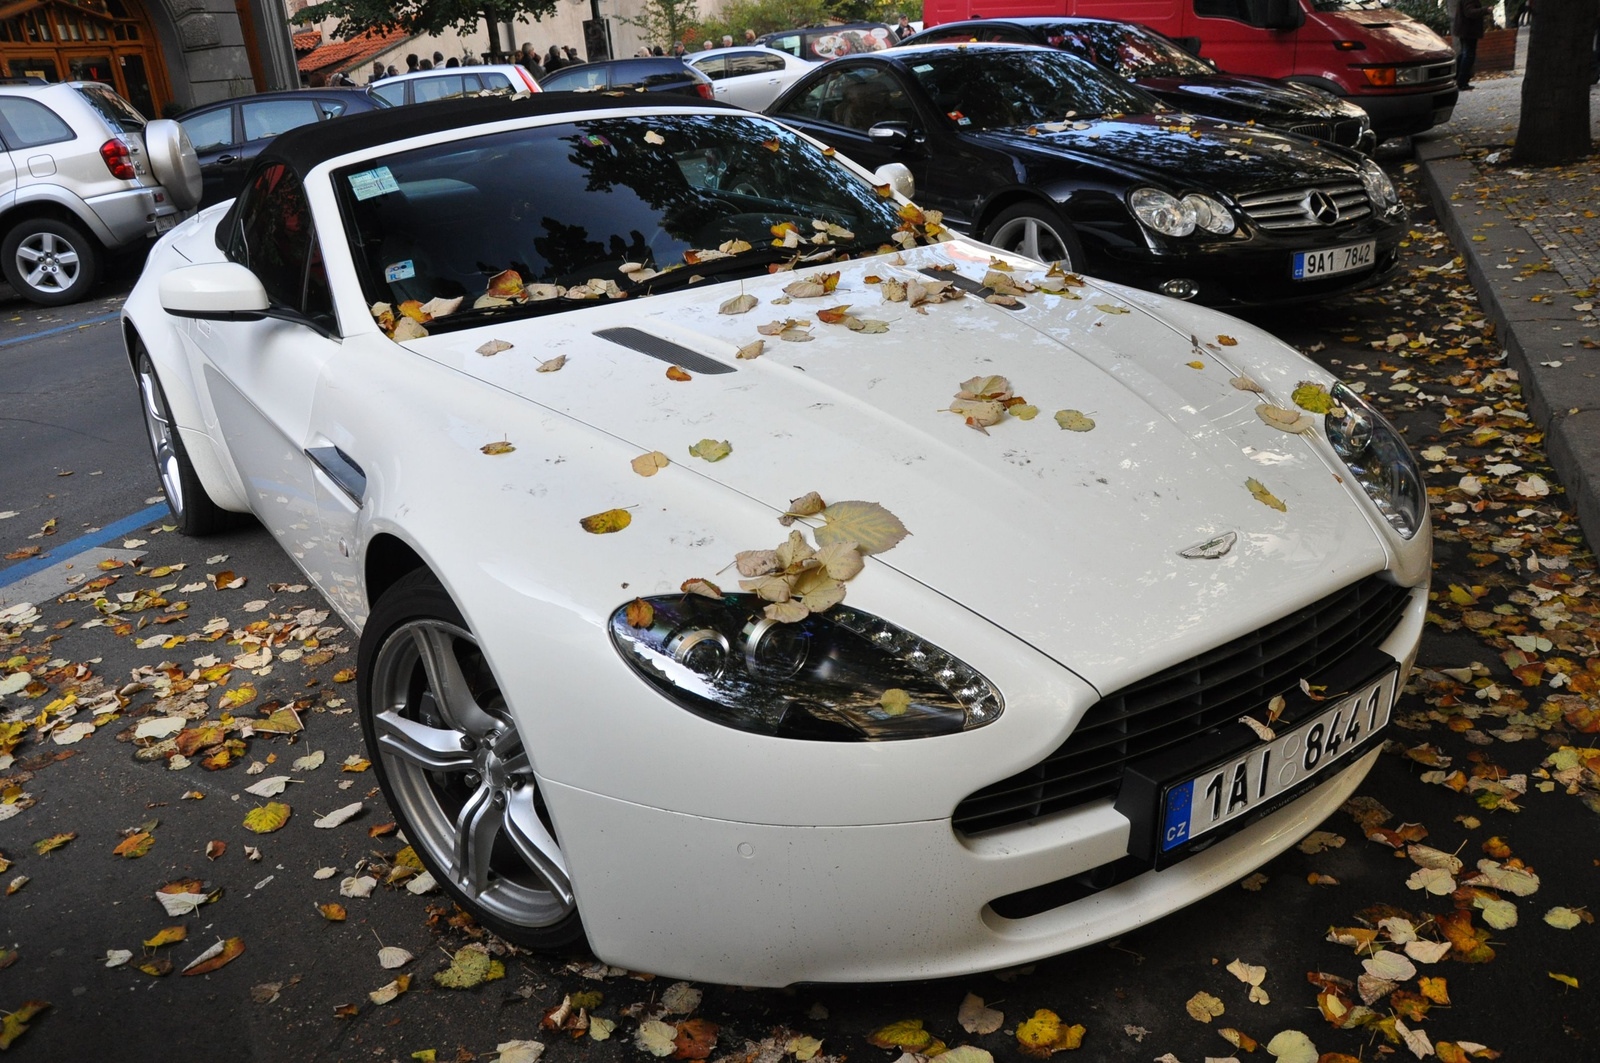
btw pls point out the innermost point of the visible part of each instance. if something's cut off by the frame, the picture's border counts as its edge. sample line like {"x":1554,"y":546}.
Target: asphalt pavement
{"x":1489,"y":763}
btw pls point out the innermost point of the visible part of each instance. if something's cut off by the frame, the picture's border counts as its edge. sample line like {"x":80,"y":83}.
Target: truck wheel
{"x":50,"y":262}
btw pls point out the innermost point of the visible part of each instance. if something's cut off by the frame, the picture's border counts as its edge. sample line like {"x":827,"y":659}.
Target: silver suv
{"x":81,"y":174}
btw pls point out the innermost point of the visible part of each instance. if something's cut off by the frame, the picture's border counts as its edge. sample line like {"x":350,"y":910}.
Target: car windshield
{"x":506,"y":219}
{"x":1128,"y":50}
{"x":997,"y":88}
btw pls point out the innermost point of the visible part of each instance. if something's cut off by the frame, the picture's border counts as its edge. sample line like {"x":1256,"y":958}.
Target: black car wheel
{"x":50,"y":262}
{"x":1038,"y":232}
{"x":455,"y":767}
{"x":191,"y":507}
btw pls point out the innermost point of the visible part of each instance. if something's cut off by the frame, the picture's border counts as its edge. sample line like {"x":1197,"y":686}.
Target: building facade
{"x":161,"y":55}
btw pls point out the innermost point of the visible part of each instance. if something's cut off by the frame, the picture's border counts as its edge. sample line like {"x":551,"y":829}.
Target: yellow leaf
{"x":388,"y":992}
{"x":612,"y":520}
{"x":711,"y":449}
{"x":1259,"y":491}
{"x":867,"y":524}
{"x":1564,"y":979}
{"x":641,"y":613}
{"x":238,"y":697}
{"x":1312,"y":397}
{"x":1195,"y":365}
{"x":333,"y":913}
{"x":1112,"y":308}
{"x":218,"y":955}
{"x":55,"y":841}
{"x":1045,"y":1034}
{"x":907,"y":1034}
{"x":268,"y":818}
{"x":1025,"y":412}
{"x":470,"y":966}
{"x":407,"y":857}
{"x":1074,"y":420}
{"x":344,"y":675}
{"x":170,"y":936}
{"x":739,"y":304}
{"x":1227,"y":341}
{"x":1434,"y":989}
{"x":677,"y":373}
{"x":502,"y":447}
{"x":1203,"y":1007}
{"x":651,"y":463}
{"x":895,"y":701}
{"x":134,"y":845}
{"x":751,"y":350}
{"x":16,"y":1023}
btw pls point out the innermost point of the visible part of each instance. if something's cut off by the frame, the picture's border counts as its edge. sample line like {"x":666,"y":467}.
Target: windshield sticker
{"x":399,"y":271}
{"x":596,"y":141}
{"x":959,"y":119}
{"x":369,"y":183}
{"x":923,"y":68}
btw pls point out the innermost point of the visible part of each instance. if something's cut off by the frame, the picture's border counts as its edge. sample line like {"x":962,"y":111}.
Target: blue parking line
{"x":73,"y":547}
{"x":85,"y":323}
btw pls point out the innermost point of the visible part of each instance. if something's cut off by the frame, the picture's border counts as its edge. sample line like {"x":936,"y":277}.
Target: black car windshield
{"x":499,"y":219}
{"x":1127,"y":50}
{"x":996,"y":88}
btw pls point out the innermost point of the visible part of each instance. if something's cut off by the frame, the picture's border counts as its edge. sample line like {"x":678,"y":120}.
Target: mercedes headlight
{"x":843,"y":675}
{"x":1379,"y":460}
{"x":1209,"y":214}
{"x":1164,"y":213}
{"x":1379,"y":188}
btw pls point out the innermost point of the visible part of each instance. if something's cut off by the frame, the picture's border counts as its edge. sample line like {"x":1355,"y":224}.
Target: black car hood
{"x":1246,"y":96}
{"x":1175,"y":150}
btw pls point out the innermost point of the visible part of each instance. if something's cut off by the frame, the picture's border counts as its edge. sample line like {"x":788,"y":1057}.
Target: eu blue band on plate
{"x":1176,"y":829}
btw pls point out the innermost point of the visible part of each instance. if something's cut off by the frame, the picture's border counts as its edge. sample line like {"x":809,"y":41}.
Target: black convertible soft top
{"x":309,"y":145}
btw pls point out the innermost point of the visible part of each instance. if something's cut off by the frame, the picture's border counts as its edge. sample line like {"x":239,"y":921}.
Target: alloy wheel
{"x":1033,"y":238}
{"x":459,"y":770}
{"x":162,"y":432}
{"x":48,"y":263}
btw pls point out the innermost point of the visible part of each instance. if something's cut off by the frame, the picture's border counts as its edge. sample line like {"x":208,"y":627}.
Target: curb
{"x":1563,"y":400}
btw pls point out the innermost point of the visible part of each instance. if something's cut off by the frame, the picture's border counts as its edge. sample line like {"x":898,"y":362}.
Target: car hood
{"x":1244,"y":95}
{"x":1394,"y":36}
{"x":1182,"y":149}
{"x":1069,"y":540}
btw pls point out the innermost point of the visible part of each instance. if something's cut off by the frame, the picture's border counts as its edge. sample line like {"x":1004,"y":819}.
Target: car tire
{"x":1037,"y":231}
{"x":192,"y":509}
{"x":455,"y":769}
{"x":50,"y":262}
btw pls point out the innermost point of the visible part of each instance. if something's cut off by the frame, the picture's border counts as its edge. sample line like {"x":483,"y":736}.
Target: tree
{"x":665,"y":21}
{"x":763,"y":16}
{"x":1554,"y":129}
{"x":424,"y":17}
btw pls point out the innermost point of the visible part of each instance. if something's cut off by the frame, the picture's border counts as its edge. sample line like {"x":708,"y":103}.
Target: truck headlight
{"x":1379,"y":460}
{"x":843,"y":675}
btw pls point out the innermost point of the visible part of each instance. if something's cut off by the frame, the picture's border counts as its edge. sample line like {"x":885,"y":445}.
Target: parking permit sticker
{"x":595,"y":141}
{"x":960,"y":119}
{"x":369,"y":183}
{"x":399,"y":271}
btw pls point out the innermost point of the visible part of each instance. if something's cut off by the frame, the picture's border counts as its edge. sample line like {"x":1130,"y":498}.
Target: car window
{"x":211,"y":131}
{"x":118,"y":112}
{"x":332,"y":108}
{"x":1129,"y":50}
{"x":440,"y":88}
{"x":748,"y":63}
{"x":716,"y":69}
{"x":790,"y":44}
{"x":29,"y":123}
{"x":394,"y":95}
{"x":1252,"y":11}
{"x":857,"y":98}
{"x":576,"y":79}
{"x":274,"y":237}
{"x":268,"y":118}
{"x":494,"y":82}
{"x":1001,"y":88}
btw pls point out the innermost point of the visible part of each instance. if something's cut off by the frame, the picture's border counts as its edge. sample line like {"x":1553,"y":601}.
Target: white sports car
{"x":721,"y":597}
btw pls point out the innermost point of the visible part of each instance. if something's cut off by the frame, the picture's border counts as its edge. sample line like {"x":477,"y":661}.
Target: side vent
{"x":663,"y":349}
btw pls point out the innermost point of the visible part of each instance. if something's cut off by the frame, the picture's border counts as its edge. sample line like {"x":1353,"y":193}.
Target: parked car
{"x":1399,"y":71}
{"x":83,"y":174}
{"x":653,"y":74}
{"x":818,"y":44}
{"x":1042,"y":153}
{"x":447,"y":83}
{"x":230,"y":134}
{"x":749,"y":77}
{"x":413,"y":360}
{"x":1176,"y":77}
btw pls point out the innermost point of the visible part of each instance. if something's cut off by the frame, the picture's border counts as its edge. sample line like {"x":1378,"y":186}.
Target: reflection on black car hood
{"x":1250,"y":94}
{"x":1175,"y":150}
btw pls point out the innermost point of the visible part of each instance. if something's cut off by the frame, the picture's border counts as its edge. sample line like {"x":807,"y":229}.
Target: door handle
{"x":223,"y":160}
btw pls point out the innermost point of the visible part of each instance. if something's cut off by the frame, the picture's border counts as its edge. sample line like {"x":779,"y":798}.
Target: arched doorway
{"x":91,"y":40}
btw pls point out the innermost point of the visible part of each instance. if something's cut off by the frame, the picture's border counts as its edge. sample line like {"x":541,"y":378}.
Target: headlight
{"x":840,"y":676}
{"x":1210,"y":215}
{"x":1379,"y":188}
{"x":1379,"y":460}
{"x":1164,"y":213}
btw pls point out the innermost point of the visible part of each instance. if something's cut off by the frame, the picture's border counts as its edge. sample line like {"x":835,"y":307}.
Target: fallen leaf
{"x":907,"y":1034}
{"x":677,"y":373}
{"x":612,"y":520}
{"x":871,"y":527}
{"x":470,"y":966}
{"x":1074,"y":420}
{"x":739,"y":304}
{"x":656,"y":1037}
{"x":552,"y":365}
{"x":651,"y":463}
{"x":384,"y":994}
{"x":15,"y":1023}
{"x":333,"y":912}
{"x":135,"y":845}
{"x":54,"y":842}
{"x":1203,"y":1007}
{"x":1045,"y":1034}
{"x":500,"y":447}
{"x":1564,"y":979}
{"x":696,"y":1038}
{"x":169,"y":936}
{"x":1260,"y":493}
{"x":751,"y":350}
{"x":711,"y":449}
{"x":271,"y":786}
{"x":392,"y":956}
{"x":223,"y":952}
{"x":972,"y":1015}
{"x":493,"y":347}
{"x":1292,"y":1046}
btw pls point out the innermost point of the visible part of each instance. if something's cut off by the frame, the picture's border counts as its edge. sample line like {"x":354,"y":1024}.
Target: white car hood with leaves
{"x":1069,"y":540}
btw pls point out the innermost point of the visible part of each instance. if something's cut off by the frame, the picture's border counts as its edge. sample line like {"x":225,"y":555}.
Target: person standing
{"x":377,"y":71}
{"x":573,"y":58}
{"x":678,"y":50}
{"x":749,"y":36}
{"x":528,"y":59}
{"x":411,"y":63}
{"x":1467,"y":28}
{"x":903,"y":29}
{"x":553,"y":60}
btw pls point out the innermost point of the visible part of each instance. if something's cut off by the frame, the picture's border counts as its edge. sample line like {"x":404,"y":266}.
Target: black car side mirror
{"x":896,"y":135}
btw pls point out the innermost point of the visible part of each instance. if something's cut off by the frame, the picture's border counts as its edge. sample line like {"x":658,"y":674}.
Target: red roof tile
{"x":344,"y":55}
{"x":305,"y":42}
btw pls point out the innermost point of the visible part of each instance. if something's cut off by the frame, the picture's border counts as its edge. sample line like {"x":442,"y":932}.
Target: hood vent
{"x":664,"y":350}
{"x":966,"y":284}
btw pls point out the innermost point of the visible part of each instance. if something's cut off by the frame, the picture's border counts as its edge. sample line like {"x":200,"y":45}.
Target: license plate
{"x":165,"y":222}
{"x":1237,"y":786}
{"x":1309,"y":264}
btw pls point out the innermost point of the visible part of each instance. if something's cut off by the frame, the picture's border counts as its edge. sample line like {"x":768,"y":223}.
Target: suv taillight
{"x":703,"y":89}
{"x":533,"y":86}
{"x":118,"y":161}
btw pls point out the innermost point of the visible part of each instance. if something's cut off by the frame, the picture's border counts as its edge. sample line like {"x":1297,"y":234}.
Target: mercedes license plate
{"x":1310,"y":264}
{"x":1249,"y":780}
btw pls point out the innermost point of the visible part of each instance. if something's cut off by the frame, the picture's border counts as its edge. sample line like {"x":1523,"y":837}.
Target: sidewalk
{"x":1531,"y":241}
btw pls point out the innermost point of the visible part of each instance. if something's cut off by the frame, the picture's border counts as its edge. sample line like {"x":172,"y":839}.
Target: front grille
{"x":1316,"y":130}
{"x":1189,"y":699}
{"x":1296,"y":208}
{"x":1440,"y":72}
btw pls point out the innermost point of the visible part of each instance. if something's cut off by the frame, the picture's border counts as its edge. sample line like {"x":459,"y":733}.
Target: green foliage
{"x":1431,"y":13}
{"x":665,"y":21}
{"x":763,"y":16}
{"x":422,"y":16}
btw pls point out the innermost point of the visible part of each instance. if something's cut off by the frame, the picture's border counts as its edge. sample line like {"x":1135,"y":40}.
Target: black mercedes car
{"x":1159,"y":66}
{"x":649,"y":74}
{"x":1046,"y":155}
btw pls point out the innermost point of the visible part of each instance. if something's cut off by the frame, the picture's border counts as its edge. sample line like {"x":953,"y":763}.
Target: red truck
{"x":1398,"y":70}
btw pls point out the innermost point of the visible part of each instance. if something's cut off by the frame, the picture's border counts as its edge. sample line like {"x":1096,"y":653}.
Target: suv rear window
{"x":28,"y":123}
{"x":118,"y":112}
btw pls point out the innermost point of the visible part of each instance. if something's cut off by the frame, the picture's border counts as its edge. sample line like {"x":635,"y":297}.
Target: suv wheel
{"x":50,"y":262}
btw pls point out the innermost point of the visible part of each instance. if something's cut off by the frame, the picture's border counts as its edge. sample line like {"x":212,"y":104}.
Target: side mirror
{"x":215,"y":291}
{"x":897,"y":176}
{"x":891,"y":134}
{"x":1284,"y":15}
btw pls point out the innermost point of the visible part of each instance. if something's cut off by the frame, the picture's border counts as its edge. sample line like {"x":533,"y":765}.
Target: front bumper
{"x":1256,"y":270}
{"x":1402,"y":114}
{"x":771,"y":905}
